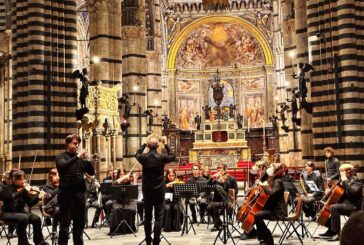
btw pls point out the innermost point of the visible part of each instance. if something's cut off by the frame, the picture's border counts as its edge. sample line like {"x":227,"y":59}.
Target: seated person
{"x":14,"y":198}
{"x":173,"y":210}
{"x":51,"y":202}
{"x":206,"y":173}
{"x":349,"y":202}
{"x":201,"y":199}
{"x":123,"y":209}
{"x":275,"y":207}
{"x":220,"y":193}
{"x":310,"y":177}
{"x":92,"y":191}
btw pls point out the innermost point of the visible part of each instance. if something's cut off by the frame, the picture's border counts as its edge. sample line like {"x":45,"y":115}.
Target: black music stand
{"x":121,"y":192}
{"x":187,"y":191}
{"x":224,"y":228}
{"x":162,"y":237}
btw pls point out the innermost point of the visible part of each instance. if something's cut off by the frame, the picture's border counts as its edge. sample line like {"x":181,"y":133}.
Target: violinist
{"x":51,"y":200}
{"x":173,"y":210}
{"x":201,"y":200}
{"x":123,"y":208}
{"x":312,"y":185}
{"x":275,"y":207}
{"x":217,"y":203}
{"x":349,"y":202}
{"x":15,"y":197}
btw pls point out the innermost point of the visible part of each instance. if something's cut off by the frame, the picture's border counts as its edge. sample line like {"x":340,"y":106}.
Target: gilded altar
{"x":211,"y":151}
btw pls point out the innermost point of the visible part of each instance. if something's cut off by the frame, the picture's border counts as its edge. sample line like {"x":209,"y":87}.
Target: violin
{"x":32,"y":190}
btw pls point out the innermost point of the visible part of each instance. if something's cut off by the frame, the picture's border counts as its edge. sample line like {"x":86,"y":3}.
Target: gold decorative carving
{"x":135,"y":32}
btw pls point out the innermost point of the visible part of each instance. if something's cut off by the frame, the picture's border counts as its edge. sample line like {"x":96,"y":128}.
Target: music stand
{"x":121,"y":192}
{"x":105,"y":190}
{"x":161,"y":237}
{"x":224,"y":228}
{"x":187,"y":191}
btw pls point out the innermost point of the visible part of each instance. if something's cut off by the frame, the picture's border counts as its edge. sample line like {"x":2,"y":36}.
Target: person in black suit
{"x":275,"y":207}
{"x":71,"y":166}
{"x":153,"y":186}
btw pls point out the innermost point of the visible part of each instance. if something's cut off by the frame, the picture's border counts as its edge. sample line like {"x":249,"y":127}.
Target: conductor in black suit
{"x":153,"y":185}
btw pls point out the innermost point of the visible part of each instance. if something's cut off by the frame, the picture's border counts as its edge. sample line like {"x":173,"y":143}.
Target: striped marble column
{"x":336,"y":84}
{"x":44,"y":94}
{"x":135,"y":80}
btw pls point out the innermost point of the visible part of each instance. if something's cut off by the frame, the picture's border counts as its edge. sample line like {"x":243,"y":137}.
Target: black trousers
{"x":264,"y":234}
{"x":72,"y":207}
{"x":140,"y":210}
{"x":336,"y":210}
{"x":214,"y":210}
{"x":202,"y":207}
{"x":21,"y":221}
{"x":152,"y":200}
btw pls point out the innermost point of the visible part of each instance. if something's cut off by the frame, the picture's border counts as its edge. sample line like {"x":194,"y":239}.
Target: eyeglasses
{"x":195,"y":169}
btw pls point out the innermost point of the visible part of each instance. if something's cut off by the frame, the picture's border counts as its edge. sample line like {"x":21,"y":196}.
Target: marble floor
{"x":203,"y":236}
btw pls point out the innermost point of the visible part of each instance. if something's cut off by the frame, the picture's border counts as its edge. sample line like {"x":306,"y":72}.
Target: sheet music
{"x":312,"y":185}
{"x":168,"y":196}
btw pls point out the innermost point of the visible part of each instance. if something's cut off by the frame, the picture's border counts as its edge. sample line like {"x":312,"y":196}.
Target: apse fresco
{"x":256,"y":83}
{"x":228,"y":95}
{"x":188,"y":108}
{"x":188,"y":86}
{"x":254,"y":110}
{"x":219,"y":44}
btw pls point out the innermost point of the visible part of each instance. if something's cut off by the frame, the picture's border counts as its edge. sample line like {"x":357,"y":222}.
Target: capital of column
{"x":97,"y":131}
{"x":132,"y":32}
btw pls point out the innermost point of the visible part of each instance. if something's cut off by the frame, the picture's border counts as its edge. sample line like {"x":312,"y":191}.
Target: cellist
{"x":349,"y":202}
{"x":275,"y":207}
{"x":257,"y":173}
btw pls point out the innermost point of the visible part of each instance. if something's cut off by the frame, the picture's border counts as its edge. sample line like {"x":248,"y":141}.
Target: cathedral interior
{"x":226,"y":80}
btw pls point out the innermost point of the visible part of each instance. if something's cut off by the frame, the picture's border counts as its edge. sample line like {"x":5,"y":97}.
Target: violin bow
{"x":31,"y":172}
{"x":19,"y":162}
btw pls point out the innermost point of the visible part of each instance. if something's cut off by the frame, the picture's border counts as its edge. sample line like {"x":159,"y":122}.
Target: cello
{"x":334,"y":194}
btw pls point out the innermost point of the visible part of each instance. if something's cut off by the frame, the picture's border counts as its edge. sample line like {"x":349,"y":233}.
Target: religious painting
{"x":188,"y":86}
{"x":219,"y":44}
{"x":188,"y":108}
{"x":228,"y":92}
{"x":254,"y":110}
{"x":256,"y":83}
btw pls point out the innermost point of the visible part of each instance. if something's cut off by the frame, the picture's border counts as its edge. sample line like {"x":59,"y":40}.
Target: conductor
{"x":72,"y":165}
{"x":153,"y":186}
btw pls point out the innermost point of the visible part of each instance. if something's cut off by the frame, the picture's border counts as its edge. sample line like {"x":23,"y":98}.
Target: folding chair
{"x":292,"y":219}
{"x":3,"y":226}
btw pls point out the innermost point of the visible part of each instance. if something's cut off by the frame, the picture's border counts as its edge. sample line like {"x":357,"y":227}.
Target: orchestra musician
{"x":92,"y":191}
{"x":14,"y":198}
{"x":349,"y":202}
{"x":311,"y":195}
{"x":219,"y":180}
{"x":123,"y":208}
{"x":257,"y":174}
{"x":153,"y":185}
{"x":206,"y":173}
{"x":51,"y":200}
{"x":275,"y":208}
{"x":332,"y":165}
{"x":173,"y":209}
{"x":71,"y":166}
{"x":7,"y":180}
{"x":201,"y":200}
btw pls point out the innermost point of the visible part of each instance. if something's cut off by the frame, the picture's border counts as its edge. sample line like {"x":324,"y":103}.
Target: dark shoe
{"x":93,"y":225}
{"x":335,"y":238}
{"x":194,"y":221}
{"x":246,"y":236}
{"x":141,"y":223}
{"x":44,"y":243}
{"x":214,"y":229}
{"x":328,"y":233}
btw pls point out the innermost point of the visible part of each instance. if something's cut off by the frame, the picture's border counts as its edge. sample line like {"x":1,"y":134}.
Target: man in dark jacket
{"x":71,"y":166}
{"x":201,"y":200}
{"x":332,"y":165}
{"x":14,"y":198}
{"x":275,"y":208}
{"x":350,"y":201}
{"x":153,"y":186}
